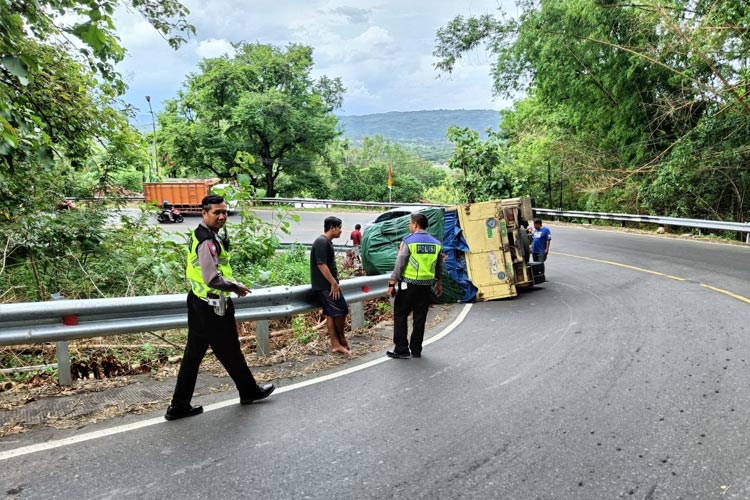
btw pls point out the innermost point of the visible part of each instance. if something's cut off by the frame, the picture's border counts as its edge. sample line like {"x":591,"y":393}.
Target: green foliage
{"x":46,"y":80}
{"x":73,"y":253}
{"x":628,"y":107}
{"x":447,"y":194}
{"x":261,"y":101}
{"x":253,"y":240}
{"x":362,"y":173}
{"x":78,"y":254}
{"x":302,"y":332}
{"x":287,"y":268}
{"x":62,"y":134}
{"x":130,"y":179}
{"x":487,"y":172}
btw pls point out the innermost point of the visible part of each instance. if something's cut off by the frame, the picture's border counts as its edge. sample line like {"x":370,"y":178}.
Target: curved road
{"x":627,"y":375}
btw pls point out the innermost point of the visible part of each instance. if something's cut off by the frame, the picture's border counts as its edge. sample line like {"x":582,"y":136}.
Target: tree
{"x":361,"y":173}
{"x":617,"y":92}
{"x":59,"y":116}
{"x":486,"y":172}
{"x":41,"y":70}
{"x":261,"y":101}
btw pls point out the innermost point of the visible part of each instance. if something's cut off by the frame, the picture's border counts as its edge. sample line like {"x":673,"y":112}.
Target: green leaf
{"x":17,"y":68}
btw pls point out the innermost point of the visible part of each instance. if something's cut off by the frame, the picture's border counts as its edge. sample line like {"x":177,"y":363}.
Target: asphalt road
{"x":309,"y":227}
{"x":605,"y":382}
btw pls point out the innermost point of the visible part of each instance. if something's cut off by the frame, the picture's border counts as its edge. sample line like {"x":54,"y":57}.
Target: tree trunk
{"x":270,"y":181}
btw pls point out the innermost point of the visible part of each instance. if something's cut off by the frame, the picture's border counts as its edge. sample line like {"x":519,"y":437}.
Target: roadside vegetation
{"x":632,"y":107}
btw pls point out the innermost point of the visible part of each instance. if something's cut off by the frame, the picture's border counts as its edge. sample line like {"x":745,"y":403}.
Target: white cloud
{"x":381,"y":49}
{"x":213,"y":48}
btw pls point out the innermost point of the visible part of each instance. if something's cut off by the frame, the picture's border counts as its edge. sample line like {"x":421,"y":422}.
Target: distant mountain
{"x":417,"y":126}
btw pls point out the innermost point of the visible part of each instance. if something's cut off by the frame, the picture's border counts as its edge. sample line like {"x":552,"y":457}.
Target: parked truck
{"x":486,"y":248}
{"x":183,"y":194}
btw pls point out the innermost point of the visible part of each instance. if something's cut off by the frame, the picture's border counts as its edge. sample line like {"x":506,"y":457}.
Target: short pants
{"x":333,"y":307}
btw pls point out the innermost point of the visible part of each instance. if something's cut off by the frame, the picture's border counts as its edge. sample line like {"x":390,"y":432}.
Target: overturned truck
{"x":486,"y":248}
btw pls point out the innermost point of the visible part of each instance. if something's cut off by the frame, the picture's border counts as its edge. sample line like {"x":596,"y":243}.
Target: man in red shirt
{"x":356,"y":238}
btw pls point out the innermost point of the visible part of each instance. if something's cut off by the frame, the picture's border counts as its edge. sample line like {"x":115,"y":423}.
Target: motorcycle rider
{"x":166,"y":209}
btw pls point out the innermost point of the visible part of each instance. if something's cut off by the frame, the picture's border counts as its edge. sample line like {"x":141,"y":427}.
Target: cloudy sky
{"x":381,"y":50}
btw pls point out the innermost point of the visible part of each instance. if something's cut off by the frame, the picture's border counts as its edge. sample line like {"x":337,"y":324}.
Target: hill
{"x":422,"y":132}
{"x":428,"y":126}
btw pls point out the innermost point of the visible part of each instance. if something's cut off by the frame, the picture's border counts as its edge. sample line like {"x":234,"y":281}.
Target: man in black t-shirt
{"x":324,"y":278}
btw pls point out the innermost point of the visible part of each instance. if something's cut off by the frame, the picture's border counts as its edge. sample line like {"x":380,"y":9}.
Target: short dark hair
{"x":420,"y":220}
{"x":211,"y":199}
{"x":537,"y":221}
{"x":357,"y":227}
{"x":330,"y":222}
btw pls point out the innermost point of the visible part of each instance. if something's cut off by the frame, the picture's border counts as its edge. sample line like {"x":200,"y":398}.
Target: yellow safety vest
{"x":193,"y":269}
{"x":424,"y":251}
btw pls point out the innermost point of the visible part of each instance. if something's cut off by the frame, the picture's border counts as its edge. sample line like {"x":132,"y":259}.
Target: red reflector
{"x":70,"y":320}
{"x":365,"y":289}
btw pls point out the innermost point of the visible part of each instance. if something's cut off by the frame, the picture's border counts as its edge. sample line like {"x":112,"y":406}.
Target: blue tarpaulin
{"x":454,"y":246}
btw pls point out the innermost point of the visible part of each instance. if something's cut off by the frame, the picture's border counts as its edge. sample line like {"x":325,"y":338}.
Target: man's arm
{"x":208,"y":259}
{"x":398,"y":269}
{"x":335,"y":288}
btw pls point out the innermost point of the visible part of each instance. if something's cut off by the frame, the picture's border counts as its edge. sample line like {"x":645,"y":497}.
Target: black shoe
{"x":397,"y":355}
{"x":190,"y":411}
{"x":264,"y":391}
{"x":416,"y":354}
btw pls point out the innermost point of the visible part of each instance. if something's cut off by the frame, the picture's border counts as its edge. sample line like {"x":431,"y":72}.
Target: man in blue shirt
{"x":540,"y":246}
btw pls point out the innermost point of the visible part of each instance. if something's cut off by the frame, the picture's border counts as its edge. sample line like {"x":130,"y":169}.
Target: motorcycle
{"x":171,"y":215}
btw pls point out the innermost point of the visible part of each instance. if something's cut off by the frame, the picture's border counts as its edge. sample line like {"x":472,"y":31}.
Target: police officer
{"x":211,"y":314}
{"x":418,"y":266}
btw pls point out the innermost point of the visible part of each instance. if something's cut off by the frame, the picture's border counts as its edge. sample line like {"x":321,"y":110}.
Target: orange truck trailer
{"x":184,"y":194}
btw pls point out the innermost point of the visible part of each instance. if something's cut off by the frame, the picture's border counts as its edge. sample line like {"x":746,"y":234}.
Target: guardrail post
{"x":262,"y":336}
{"x":63,"y":363}
{"x":358,"y":315}
{"x":63,"y":355}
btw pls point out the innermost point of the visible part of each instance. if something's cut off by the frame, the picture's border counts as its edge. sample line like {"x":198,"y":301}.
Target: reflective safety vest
{"x":424,"y":253}
{"x":193,"y":269}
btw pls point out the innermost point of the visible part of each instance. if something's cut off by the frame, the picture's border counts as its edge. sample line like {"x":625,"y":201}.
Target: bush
{"x":289,"y":268}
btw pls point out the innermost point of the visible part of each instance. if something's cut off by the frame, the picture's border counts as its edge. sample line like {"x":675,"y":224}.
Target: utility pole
{"x":156,"y":151}
{"x":562,"y":180}
{"x":549,"y":184}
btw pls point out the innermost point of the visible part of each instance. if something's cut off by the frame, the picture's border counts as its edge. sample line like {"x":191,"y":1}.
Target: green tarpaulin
{"x":380,"y":244}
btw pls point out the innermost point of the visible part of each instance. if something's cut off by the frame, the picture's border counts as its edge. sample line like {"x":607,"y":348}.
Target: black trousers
{"x":207,"y":329}
{"x":415,"y":299}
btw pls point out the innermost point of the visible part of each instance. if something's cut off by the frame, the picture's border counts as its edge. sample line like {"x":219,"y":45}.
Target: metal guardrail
{"x":62,"y":320}
{"x":34,"y":322}
{"x":305,"y":202}
{"x":740,"y":227}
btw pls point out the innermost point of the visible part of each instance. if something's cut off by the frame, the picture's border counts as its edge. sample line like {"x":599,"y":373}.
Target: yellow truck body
{"x":498,"y":258}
